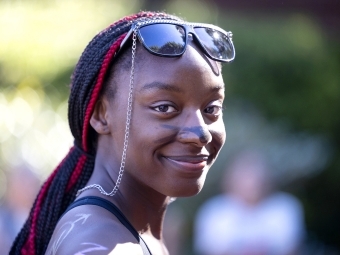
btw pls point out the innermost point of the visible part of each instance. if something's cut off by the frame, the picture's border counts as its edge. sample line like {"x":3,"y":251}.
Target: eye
{"x":215,"y":110}
{"x":165,"y":108}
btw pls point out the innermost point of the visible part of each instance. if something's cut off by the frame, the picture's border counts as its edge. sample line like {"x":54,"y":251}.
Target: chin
{"x":186,"y":189}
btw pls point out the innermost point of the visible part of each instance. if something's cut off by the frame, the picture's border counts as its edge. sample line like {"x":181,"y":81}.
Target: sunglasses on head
{"x":169,"y":38}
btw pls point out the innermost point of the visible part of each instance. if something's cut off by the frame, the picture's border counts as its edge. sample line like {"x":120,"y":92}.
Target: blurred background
{"x":282,"y":101}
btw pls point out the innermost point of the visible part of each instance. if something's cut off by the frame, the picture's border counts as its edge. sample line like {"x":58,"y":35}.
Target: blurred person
{"x":145,"y":111}
{"x":22,"y":187}
{"x":249,"y":218}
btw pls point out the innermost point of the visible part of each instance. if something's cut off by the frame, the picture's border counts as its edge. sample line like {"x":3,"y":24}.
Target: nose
{"x":195,"y":130}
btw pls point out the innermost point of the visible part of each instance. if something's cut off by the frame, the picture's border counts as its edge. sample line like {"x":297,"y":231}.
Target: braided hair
{"x":72,"y":174}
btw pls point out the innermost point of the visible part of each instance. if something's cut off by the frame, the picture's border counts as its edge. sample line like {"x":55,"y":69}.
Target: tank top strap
{"x":98,"y":201}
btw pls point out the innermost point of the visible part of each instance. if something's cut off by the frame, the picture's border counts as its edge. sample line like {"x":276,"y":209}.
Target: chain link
{"x":127,"y":127}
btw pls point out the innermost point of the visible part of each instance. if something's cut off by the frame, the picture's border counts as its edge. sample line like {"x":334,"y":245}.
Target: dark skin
{"x":175,"y":135}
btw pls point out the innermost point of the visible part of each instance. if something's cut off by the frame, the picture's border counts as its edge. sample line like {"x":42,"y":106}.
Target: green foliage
{"x":288,"y":68}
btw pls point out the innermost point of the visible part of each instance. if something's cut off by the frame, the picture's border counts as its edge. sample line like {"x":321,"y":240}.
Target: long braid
{"x":74,"y":171}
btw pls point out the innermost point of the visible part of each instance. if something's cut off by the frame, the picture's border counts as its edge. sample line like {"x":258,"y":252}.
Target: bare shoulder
{"x":91,"y":229}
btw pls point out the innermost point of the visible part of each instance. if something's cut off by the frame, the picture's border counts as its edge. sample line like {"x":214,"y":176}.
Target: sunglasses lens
{"x":216,"y":43}
{"x":164,"y":39}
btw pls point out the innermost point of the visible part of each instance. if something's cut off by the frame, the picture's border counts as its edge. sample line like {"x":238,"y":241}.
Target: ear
{"x":99,"y":117}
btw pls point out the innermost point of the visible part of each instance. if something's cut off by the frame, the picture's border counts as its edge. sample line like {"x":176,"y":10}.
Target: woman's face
{"x":176,"y":127}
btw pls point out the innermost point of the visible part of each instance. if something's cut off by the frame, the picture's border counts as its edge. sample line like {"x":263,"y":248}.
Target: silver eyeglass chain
{"x":127,"y":127}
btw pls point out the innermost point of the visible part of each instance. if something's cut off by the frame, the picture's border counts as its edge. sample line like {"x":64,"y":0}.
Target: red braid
{"x":29,"y":247}
{"x":134,"y":17}
{"x":76,"y":173}
{"x":96,"y":91}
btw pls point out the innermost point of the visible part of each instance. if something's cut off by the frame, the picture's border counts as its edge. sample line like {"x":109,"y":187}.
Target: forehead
{"x":192,"y":66}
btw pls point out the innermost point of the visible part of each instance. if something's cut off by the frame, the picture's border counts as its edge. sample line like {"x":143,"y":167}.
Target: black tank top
{"x":92,"y":200}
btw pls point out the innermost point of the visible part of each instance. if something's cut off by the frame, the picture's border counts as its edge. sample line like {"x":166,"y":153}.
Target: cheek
{"x":218,"y":133}
{"x":147,"y":136}
{"x":117,"y":122}
{"x":141,"y":160}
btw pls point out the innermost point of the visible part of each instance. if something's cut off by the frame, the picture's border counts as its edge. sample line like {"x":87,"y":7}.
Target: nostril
{"x":204,"y":138}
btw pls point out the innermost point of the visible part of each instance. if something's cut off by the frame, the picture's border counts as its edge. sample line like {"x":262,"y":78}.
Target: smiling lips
{"x":190,"y":163}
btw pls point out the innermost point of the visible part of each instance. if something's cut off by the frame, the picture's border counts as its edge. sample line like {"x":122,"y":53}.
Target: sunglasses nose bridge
{"x":190,"y":31}
{"x":195,"y":39}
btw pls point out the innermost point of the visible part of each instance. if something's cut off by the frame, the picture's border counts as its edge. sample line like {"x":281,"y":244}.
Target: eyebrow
{"x":161,"y":86}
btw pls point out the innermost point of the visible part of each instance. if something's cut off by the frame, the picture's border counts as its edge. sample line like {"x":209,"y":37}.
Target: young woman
{"x":145,"y":111}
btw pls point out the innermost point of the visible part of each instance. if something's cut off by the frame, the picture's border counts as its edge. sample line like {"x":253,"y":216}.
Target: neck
{"x":142,"y":206}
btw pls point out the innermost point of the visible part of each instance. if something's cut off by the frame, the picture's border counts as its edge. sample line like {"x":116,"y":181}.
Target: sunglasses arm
{"x":126,"y":38}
